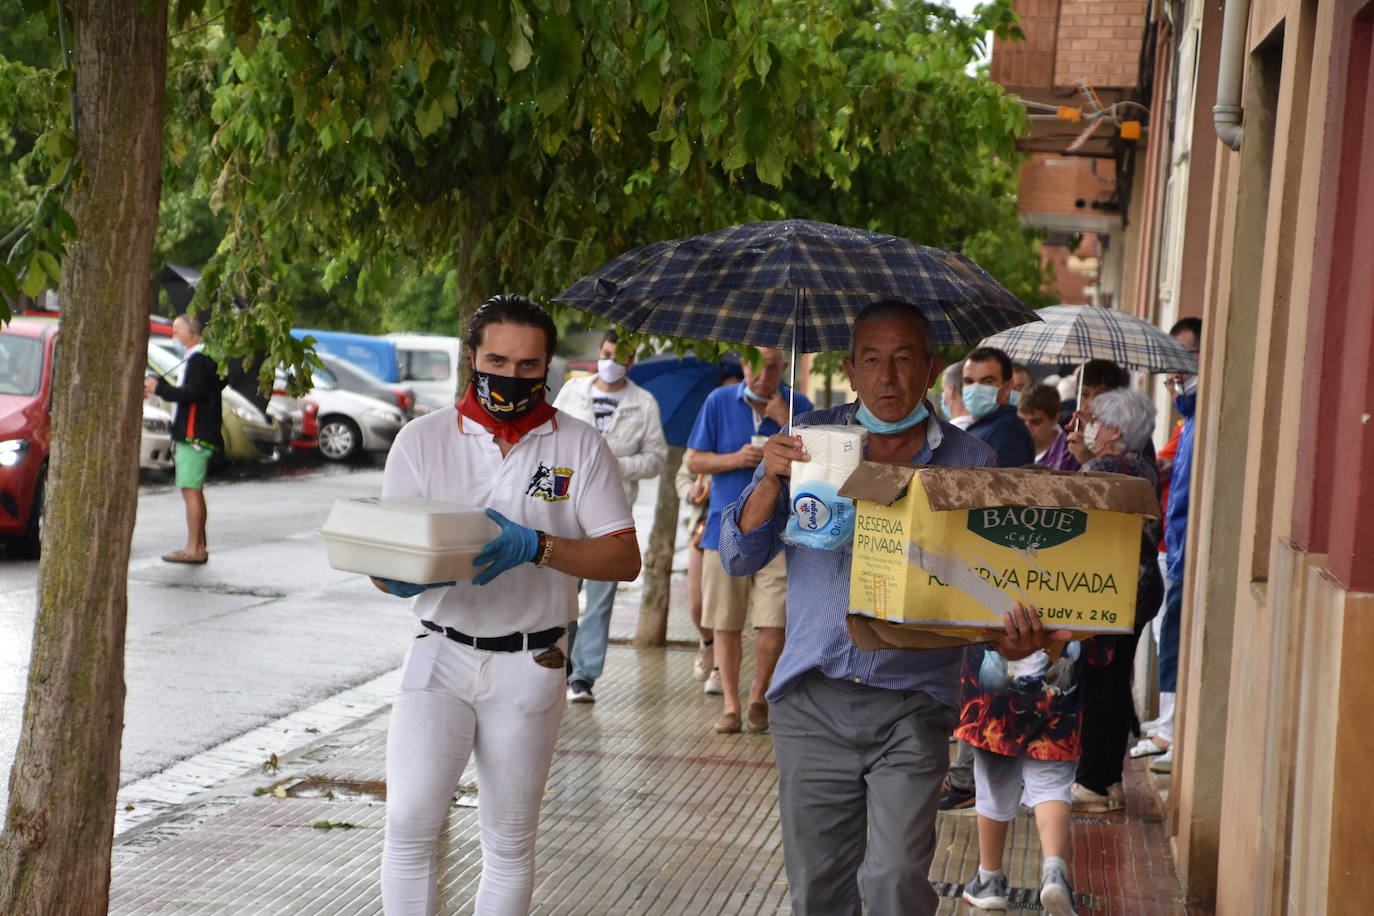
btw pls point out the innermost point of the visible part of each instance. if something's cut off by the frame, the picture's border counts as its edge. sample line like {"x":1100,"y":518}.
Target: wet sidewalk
{"x":647,"y":811}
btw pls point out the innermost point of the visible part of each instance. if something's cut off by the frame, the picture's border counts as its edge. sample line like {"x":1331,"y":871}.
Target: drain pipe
{"x":1227,"y":112}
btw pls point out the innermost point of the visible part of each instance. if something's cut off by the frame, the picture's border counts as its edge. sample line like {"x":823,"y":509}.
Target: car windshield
{"x":21,"y":363}
{"x":352,"y":373}
{"x":424,"y":365}
{"x":323,"y":378}
{"x":166,"y":357}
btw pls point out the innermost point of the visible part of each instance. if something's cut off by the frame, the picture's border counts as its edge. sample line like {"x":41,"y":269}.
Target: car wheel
{"x":340,"y":439}
{"x":28,"y":545}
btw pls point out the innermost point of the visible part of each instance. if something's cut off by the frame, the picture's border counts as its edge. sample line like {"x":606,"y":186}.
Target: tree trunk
{"x":55,"y":850}
{"x":652,"y":629}
{"x":474,"y":281}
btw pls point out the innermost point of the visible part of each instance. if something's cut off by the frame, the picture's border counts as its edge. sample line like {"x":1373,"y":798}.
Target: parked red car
{"x":26,"y":374}
{"x":310,"y":426}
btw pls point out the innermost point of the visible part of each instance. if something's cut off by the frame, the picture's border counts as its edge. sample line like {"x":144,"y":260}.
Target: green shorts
{"x":192,"y":463}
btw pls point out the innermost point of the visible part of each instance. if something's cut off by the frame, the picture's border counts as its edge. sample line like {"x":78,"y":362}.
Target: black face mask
{"x":506,"y":397}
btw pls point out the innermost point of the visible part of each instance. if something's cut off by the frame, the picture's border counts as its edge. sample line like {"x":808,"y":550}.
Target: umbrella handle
{"x":796,"y":323}
{"x":1078,"y":398}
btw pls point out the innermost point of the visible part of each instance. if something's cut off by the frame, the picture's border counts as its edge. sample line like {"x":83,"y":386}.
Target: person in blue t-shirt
{"x":987,"y":396}
{"x":726,"y":443}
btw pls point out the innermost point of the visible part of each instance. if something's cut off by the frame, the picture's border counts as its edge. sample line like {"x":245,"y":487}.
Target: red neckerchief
{"x":510,"y":430}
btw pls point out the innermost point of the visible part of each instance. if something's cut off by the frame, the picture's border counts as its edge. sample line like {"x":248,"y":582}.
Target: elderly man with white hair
{"x":952,"y":397}
{"x":1117,"y":433}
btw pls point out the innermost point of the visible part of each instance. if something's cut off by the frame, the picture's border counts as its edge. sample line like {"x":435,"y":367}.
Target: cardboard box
{"x":951,"y":549}
{"x":869,"y":634}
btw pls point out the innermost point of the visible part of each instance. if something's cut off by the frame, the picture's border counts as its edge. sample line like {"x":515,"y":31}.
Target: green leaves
{"x":518,"y":38}
{"x":359,"y":153}
{"x":712,"y":61}
{"x":429,"y":117}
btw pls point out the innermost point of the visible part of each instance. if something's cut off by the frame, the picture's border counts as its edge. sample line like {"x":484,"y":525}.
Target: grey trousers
{"x":859,"y":775}
{"x":961,"y":770}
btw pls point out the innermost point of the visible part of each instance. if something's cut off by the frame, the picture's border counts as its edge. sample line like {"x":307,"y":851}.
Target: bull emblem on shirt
{"x":552,"y":485}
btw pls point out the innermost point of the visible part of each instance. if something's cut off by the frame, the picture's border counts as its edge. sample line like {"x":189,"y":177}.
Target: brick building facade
{"x":1264,"y":230}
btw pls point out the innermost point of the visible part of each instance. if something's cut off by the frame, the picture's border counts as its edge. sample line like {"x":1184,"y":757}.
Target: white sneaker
{"x":986,"y":895}
{"x":1056,"y":896}
{"x":713,"y":684}
{"x":705,"y":660}
{"x":1146,"y":747}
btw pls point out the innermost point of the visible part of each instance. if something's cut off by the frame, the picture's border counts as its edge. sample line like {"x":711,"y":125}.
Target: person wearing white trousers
{"x":447,"y":689}
{"x":484,"y":675}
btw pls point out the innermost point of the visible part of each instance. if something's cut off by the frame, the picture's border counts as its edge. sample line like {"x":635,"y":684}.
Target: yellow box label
{"x":967,"y":567}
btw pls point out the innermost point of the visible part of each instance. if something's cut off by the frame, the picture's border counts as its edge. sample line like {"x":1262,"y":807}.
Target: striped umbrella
{"x":1078,"y":333}
{"x":791,"y":284}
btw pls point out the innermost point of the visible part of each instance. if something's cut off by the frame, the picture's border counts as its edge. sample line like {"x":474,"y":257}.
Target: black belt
{"x":511,"y":642}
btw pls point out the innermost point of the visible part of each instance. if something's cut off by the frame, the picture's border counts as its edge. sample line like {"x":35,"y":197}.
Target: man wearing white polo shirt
{"x":484,"y":677}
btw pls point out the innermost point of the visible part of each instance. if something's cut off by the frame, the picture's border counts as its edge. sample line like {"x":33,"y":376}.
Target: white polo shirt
{"x":559,"y":478}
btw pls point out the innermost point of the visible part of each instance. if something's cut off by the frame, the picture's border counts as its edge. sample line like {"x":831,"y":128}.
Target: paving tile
{"x":647,"y":812}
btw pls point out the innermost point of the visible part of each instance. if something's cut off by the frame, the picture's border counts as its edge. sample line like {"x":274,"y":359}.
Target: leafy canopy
{"x":410,"y":158}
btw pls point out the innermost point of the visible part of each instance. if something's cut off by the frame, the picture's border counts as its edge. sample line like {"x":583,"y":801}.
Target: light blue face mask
{"x":749,"y":395}
{"x":980,"y":400}
{"x":1014,"y":397}
{"x":944,"y":409}
{"x":882,"y":427}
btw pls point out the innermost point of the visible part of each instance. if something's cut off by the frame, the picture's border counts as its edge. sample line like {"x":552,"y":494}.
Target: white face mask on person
{"x":980,"y":400}
{"x":610,"y":371}
{"x":1186,"y":387}
{"x":1090,"y":434}
{"x":756,"y":398}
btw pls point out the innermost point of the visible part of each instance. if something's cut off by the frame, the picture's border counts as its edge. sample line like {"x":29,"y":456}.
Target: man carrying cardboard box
{"x":861,"y":738}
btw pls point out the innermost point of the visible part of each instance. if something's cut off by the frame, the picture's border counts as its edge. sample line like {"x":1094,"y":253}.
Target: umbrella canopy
{"x":680,"y":385}
{"x":1078,"y":333}
{"x":791,"y":284}
{"x":180,"y":282}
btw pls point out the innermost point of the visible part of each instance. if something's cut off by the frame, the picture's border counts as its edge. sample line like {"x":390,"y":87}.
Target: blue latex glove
{"x":408,"y":589}
{"x":515,"y":544}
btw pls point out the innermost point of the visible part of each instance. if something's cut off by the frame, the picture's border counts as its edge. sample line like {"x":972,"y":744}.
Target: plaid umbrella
{"x":791,"y":283}
{"x":1077,"y":333}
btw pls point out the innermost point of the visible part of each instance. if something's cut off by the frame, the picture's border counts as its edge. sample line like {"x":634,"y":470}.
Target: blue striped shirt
{"x":818,"y":584}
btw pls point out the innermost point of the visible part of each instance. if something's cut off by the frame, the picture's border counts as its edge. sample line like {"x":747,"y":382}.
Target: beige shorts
{"x":727,"y":598}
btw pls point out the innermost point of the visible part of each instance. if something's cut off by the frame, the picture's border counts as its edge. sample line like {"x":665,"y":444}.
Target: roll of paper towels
{"x":820,"y":517}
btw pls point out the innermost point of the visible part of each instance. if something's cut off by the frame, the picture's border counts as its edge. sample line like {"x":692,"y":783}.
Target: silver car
{"x":352,"y":423}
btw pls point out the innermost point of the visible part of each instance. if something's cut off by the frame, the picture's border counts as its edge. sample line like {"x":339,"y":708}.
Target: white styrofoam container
{"x":413,"y":541}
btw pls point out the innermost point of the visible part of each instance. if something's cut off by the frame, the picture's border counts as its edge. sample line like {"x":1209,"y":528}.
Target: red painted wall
{"x":1334,"y":502}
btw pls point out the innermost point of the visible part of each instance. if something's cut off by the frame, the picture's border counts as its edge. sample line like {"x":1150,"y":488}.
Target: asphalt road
{"x":262,"y":630}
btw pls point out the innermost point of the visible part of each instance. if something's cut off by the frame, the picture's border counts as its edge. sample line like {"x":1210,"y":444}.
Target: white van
{"x":429,"y":364}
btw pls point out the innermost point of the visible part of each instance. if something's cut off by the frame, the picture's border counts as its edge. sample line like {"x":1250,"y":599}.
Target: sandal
{"x":1146,"y":747}
{"x":728,"y":724}
{"x":181,"y":556}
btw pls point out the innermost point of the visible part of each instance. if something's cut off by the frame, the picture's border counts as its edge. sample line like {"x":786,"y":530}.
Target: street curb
{"x":227,"y":774}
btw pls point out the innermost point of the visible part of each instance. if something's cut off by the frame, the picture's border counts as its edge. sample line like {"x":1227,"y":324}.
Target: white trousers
{"x":502,"y":708}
